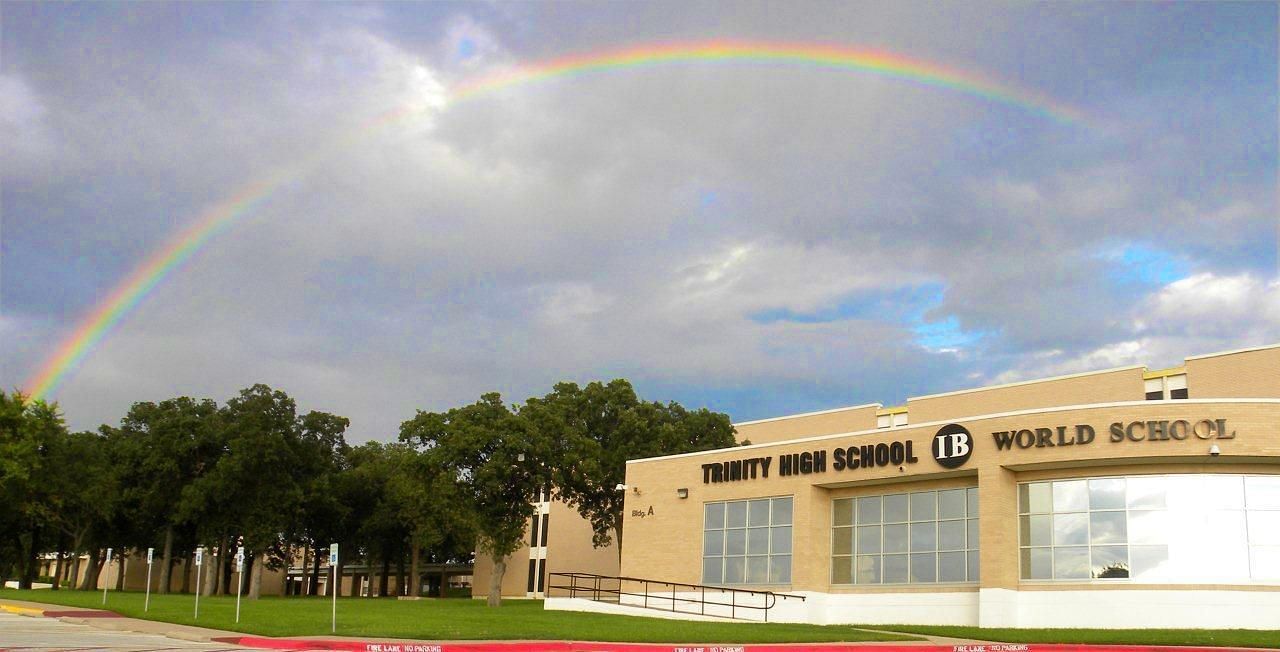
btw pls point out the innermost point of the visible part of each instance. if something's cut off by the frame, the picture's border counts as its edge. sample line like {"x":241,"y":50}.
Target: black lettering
{"x":717,"y":473}
{"x":1117,"y":432}
{"x":1062,"y":437}
{"x":764,"y":466}
{"x":1179,"y":432}
{"x":1084,"y":434}
{"x":911,"y":458}
{"x":1157,"y":431}
{"x":882,"y":454}
{"x":1222,"y":430}
{"x":1128,"y":430}
{"x":735,"y":470}
{"x":806,"y":463}
{"x":784,"y":464}
{"x":1208,"y":429}
{"x":867,"y":453}
{"x":650,"y":510}
{"x":1004,"y":440}
{"x":1026,"y":438}
{"x":896,"y":453}
{"x":706,"y":473}
{"x":819,"y":461}
{"x":1044,"y":437}
{"x":755,"y":466}
{"x":837,"y":459}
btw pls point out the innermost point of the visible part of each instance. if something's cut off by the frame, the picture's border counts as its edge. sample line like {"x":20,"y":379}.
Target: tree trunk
{"x":124,"y":557}
{"x":495,"y":581}
{"x":75,"y":568}
{"x":210,"y":570}
{"x":415,"y":584}
{"x":255,"y":576}
{"x":223,"y":579}
{"x":617,"y":540}
{"x":386,"y":570}
{"x":90,"y":581}
{"x":166,"y":560}
{"x":30,"y":561}
{"x":306,"y":579}
{"x":314,"y":588}
{"x":186,"y":573}
{"x":57,"y":570}
{"x":337,"y":577}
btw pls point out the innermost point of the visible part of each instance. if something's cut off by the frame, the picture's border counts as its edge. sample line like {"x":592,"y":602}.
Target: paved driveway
{"x":20,"y":633}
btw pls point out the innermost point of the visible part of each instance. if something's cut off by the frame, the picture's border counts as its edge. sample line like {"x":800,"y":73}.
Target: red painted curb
{"x":579,"y":646}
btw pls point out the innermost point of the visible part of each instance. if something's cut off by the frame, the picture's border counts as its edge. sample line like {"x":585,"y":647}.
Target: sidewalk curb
{"x":294,"y":644}
{"x":187,"y":636}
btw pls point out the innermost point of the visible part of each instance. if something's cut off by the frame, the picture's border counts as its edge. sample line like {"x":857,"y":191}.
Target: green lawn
{"x":1198,"y":637}
{"x":440,"y":620}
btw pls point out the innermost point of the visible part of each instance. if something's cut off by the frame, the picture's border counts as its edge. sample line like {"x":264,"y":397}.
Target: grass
{"x":440,"y":620}
{"x":1198,"y":637}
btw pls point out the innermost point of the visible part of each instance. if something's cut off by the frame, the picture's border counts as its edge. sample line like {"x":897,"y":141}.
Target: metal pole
{"x":146,"y":603}
{"x":239,"y":585}
{"x":106,"y":583}
{"x":334,"y":628}
{"x":199,"y":563}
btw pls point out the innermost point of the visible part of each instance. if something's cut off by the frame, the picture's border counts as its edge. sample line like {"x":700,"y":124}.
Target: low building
{"x":1119,"y":498}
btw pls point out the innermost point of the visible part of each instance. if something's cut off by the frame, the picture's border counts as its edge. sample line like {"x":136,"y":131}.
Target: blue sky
{"x":760,"y":240}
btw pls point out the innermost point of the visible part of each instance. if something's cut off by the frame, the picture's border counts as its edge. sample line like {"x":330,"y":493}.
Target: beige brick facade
{"x":1130,"y":436}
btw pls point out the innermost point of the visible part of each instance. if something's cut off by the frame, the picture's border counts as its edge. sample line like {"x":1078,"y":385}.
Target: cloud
{"x":767,"y":237}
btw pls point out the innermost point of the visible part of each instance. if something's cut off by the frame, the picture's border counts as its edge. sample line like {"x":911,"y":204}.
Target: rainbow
{"x":220,"y":217}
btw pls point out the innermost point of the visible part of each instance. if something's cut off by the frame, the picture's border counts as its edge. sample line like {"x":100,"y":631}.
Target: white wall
{"x":1100,"y":609}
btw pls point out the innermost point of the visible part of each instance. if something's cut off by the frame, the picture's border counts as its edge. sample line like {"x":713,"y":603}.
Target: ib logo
{"x":952,"y":446}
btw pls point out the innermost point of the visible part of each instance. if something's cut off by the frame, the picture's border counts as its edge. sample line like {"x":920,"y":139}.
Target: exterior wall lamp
{"x":682,"y":492}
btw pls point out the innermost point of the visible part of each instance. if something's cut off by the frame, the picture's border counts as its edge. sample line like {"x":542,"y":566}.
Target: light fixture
{"x":620,"y":487}
{"x":1213,"y":450}
{"x":682,"y":492}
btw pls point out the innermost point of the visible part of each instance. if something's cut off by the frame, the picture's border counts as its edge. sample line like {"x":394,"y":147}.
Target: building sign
{"x":1118,"y":432}
{"x":809,"y":462}
{"x":952,"y":446}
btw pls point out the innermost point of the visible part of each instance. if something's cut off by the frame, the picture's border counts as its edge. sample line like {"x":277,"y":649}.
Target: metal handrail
{"x":592,"y":584}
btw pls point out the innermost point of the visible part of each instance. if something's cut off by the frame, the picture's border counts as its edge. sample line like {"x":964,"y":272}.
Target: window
{"x":1160,"y":528}
{"x":747,"y":542}
{"x":922,"y":537}
{"x":1166,"y":387}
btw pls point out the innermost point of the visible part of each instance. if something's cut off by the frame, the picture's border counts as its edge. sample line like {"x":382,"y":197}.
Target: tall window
{"x":1157,"y":528}
{"x":918,"y":538}
{"x":747,"y":542}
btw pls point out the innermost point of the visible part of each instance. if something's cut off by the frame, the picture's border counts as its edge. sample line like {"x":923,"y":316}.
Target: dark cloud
{"x":759,"y":238}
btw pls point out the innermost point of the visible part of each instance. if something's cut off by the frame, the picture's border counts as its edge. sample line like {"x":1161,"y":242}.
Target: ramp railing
{"x":666,"y":596}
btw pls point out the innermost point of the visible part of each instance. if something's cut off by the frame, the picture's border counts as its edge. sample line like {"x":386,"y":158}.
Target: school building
{"x":1127,"y":497}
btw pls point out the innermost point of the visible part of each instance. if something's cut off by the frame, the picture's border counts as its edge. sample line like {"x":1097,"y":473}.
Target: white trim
{"x":980,"y":417}
{"x":1025,"y":382}
{"x":809,"y":414}
{"x":1232,"y":352}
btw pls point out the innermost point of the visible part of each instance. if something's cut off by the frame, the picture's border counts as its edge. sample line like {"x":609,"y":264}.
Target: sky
{"x":757,"y":238}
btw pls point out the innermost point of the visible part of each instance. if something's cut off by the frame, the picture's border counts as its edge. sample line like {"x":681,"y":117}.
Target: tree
{"x":161,"y":450}
{"x":601,"y":426}
{"x":29,"y":433}
{"x":254,"y":490}
{"x":499,"y":463}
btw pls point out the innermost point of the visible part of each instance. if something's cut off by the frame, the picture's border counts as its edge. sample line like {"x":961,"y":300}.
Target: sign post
{"x":146,"y":603}
{"x":105,"y":583}
{"x":333,"y":565}
{"x":239,"y":578}
{"x":199,"y":563}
